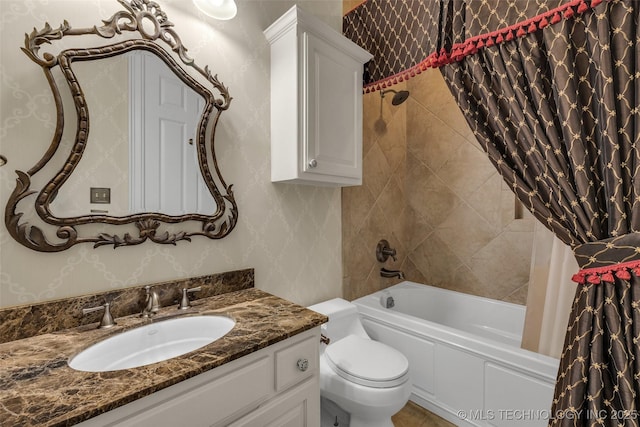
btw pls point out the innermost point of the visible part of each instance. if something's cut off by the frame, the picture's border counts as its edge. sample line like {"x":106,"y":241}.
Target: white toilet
{"x":366,"y":378}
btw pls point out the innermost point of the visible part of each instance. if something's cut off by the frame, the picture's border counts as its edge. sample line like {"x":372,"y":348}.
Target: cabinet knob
{"x":313,"y":163}
{"x":303,"y":364}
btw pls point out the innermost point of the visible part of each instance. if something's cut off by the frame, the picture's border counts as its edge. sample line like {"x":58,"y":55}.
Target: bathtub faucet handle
{"x":384,"y":251}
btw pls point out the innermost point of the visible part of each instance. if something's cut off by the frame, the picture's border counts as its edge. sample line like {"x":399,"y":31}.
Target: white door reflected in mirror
{"x":163,"y":161}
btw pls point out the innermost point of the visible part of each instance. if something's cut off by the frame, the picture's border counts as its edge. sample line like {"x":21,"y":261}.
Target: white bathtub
{"x":464,"y":353}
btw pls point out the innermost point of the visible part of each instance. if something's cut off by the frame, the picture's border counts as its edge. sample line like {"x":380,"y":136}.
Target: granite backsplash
{"x":35,"y":319}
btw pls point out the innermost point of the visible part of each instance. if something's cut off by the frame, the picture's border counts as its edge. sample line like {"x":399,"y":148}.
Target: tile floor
{"x":413,"y":415}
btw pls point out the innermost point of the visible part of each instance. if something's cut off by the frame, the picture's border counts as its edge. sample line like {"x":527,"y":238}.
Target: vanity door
{"x":298,"y":407}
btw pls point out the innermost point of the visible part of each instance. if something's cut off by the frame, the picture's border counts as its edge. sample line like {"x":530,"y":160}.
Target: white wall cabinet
{"x":316,"y":102}
{"x":271,"y":387}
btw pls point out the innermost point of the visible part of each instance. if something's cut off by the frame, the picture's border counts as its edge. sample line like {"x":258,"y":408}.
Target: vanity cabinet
{"x":316,"y":102}
{"x":277,"y":386}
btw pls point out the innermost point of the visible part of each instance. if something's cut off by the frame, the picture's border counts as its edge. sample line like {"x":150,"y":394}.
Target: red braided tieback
{"x":471,"y":45}
{"x":597,"y":275}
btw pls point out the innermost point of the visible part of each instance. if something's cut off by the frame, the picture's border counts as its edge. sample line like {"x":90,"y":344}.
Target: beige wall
{"x":429,"y":189}
{"x":349,"y":5}
{"x":290,"y":234}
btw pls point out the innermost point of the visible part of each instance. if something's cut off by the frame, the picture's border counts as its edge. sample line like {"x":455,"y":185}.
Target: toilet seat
{"x":367,"y":362}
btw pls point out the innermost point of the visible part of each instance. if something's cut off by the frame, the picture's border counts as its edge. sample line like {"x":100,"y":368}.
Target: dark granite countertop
{"x":38,"y":388}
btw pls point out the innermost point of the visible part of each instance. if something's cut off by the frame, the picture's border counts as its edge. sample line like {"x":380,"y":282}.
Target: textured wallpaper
{"x":289,"y":233}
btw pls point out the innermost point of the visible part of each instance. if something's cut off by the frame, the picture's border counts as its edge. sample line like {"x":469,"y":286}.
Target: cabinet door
{"x":333,"y":117}
{"x":298,"y":407}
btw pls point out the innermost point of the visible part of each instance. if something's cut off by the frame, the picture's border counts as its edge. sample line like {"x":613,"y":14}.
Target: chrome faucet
{"x":151,"y":303}
{"x":391,"y":273}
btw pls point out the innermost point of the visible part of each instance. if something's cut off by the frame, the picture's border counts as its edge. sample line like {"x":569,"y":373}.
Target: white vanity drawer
{"x":219,"y":394}
{"x":296,"y":362}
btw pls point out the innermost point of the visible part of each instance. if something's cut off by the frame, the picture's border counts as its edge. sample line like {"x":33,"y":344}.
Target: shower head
{"x":399,"y":96}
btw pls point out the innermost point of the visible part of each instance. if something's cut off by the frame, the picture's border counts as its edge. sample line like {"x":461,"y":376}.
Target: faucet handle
{"x":184,"y":302}
{"x":391,"y":253}
{"x":107,"y":320}
{"x":384,"y":251}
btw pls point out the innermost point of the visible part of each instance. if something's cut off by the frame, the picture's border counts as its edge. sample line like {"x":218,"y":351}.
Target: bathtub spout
{"x":391,"y":273}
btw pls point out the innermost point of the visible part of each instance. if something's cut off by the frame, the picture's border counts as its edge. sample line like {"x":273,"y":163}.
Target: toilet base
{"x":331,"y":415}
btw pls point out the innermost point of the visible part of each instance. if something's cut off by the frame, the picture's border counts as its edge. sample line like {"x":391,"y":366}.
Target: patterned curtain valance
{"x":398,"y":33}
{"x":408,"y":36}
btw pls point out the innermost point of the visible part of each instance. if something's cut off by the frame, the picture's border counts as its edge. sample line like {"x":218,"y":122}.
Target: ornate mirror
{"x":136,"y":161}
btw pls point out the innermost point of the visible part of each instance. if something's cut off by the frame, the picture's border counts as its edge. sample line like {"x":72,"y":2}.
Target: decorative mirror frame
{"x":139,"y":16}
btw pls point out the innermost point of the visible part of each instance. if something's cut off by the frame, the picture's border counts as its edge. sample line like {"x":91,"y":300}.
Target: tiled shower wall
{"x":431,"y":192}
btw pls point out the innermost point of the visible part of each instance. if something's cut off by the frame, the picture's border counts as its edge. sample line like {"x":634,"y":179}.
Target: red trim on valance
{"x":398,"y":78}
{"x":472,"y":45}
{"x":605,"y":274}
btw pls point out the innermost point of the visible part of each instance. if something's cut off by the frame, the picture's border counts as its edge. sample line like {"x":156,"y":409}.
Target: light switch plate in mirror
{"x":100,"y":195}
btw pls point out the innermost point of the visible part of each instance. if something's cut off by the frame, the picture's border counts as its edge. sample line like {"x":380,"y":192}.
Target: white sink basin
{"x":152,"y":343}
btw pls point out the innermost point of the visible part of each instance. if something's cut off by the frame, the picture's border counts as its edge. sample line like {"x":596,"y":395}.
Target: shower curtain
{"x":556,"y":109}
{"x":551,"y":91}
{"x":550,"y":295}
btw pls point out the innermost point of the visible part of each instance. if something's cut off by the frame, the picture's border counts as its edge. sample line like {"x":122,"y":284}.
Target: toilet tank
{"x":343,"y":319}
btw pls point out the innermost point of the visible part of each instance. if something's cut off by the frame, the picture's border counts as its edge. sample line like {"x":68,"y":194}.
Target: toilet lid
{"x":367,"y":362}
